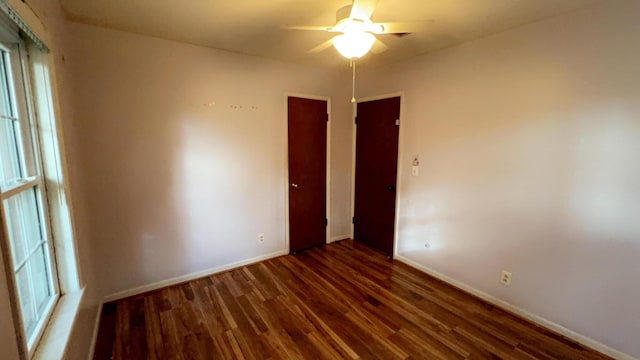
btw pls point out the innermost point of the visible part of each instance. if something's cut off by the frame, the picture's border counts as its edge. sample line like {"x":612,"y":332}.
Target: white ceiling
{"x":253,"y":26}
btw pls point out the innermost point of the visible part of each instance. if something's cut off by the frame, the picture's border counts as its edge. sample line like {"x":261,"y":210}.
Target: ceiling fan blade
{"x":363,"y":9}
{"x":402,"y":27}
{"x":307,"y":27}
{"x":379,"y":47}
{"x":324,"y":46}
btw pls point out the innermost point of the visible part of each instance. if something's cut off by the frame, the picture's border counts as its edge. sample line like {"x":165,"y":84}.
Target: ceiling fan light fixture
{"x":354,"y":45}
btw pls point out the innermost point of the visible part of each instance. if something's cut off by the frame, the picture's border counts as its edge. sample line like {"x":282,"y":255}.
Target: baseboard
{"x":189,"y":277}
{"x":520,"y":312}
{"x":339,"y":237}
{"x":96,"y":327}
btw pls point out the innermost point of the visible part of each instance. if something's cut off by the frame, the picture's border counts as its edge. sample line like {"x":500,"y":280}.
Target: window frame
{"x":18,"y":72}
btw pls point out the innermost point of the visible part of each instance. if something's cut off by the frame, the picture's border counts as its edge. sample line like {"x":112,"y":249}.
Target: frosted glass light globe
{"x":354,"y":45}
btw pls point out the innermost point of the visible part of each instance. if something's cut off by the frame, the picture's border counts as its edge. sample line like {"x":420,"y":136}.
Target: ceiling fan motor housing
{"x":346,"y":23}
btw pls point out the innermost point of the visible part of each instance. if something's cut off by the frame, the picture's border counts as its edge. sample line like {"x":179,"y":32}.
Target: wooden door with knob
{"x":377,"y":125}
{"x":307,"y":154}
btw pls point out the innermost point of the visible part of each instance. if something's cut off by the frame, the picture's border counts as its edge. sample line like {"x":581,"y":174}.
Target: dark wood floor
{"x":338,"y":301}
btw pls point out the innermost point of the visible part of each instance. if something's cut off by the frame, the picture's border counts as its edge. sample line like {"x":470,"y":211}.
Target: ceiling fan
{"x":356,"y":31}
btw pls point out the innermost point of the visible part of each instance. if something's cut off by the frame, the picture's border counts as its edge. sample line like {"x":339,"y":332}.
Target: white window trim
{"x":57,"y":332}
{"x":16,"y":68}
{"x":55,"y":170}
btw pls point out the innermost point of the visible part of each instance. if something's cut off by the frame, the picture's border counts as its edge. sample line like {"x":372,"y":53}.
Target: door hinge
{"x":397,"y":122}
{"x":327,"y":117}
{"x":355,"y":120}
{"x":353,"y":220}
{"x":326,"y":222}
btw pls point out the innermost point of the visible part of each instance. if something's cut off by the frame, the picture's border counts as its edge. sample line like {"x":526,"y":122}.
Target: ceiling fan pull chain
{"x":353,"y":87}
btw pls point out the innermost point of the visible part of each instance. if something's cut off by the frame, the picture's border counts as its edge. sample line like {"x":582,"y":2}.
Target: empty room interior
{"x":339,"y":179}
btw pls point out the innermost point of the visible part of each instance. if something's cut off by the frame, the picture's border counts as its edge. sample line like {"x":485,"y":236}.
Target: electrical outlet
{"x":261,"y":238}
{"x":505,"y":278}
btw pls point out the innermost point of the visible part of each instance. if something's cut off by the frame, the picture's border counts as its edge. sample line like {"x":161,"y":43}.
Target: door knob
{"x":294,"y":185}
{"x":391,"y":187}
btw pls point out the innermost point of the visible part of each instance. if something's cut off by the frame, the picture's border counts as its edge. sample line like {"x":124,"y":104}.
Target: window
{"x":23,"y":195}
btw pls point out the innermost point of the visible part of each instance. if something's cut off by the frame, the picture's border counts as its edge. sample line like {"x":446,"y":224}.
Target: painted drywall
{"x":184,"y":153}
{"x":8,"y":341}
{"x":341,"y":135}
{"x":197,"y":135}
{"x":529,"y":149}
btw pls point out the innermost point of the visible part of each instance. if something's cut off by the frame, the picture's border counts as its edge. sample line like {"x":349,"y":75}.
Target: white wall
{"x":528,"y":142}
{"x":341,"y":136}
{"x":177,"y":158}
{"x":529,"y":145}
{"x":184,"y":153}
{"x":8,"y":342}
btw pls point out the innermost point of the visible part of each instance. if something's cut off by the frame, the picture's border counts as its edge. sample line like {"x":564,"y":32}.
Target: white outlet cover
{"x":505,"y":278}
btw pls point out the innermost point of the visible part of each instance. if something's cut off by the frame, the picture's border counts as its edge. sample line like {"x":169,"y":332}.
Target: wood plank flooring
{"x":339,"y":301}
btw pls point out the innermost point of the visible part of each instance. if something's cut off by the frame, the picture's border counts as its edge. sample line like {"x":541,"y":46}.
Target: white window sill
{"x":58,"y":330}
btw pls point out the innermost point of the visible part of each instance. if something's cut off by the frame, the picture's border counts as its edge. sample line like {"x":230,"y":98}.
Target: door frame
{"x":286,"y":165}
{"x":396,"y":222}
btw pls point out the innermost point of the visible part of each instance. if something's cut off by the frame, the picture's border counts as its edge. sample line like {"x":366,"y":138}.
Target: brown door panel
{"x":307,"y":148}
{"x":376,"y":170}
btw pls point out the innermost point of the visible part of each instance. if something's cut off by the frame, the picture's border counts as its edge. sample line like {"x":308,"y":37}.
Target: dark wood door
{"x":376,"y":169}
{"x":307,"y":137}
